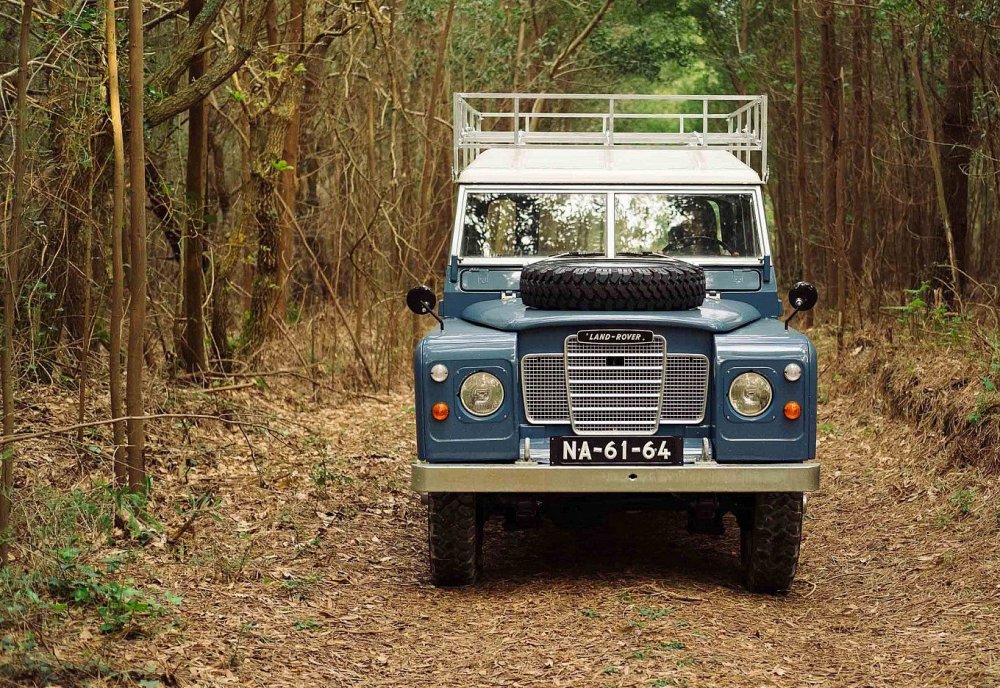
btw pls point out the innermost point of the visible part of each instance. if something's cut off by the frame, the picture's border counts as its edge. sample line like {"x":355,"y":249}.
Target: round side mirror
{"x":421,"y":300}
{"x":803,"y":296}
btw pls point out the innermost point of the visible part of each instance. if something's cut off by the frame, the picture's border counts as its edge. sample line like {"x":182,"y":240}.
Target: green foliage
{"x":962,"y":500}
{"x":937,"y":319}
{"x":654,"y":613}
{"x":119,"y":604}
{"x":307,"y":625}
{"x":323,"y":476}
{"x":639,"y":43}
{"x":591,"y":614}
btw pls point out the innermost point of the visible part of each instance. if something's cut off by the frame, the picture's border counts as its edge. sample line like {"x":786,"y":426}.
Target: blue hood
{"x":514,"y":316}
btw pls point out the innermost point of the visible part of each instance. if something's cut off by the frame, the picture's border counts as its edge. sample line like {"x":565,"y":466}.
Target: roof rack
{"x":735,"y":123}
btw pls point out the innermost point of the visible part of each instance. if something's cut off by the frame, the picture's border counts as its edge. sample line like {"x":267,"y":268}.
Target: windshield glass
{"x":502,"y":224}
{"x":701,"y":225}
{"x":534,"y":224}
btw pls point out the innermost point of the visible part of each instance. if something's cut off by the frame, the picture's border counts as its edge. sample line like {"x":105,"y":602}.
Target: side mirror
{"x":802,"y":297}
{"x":422,"y":300}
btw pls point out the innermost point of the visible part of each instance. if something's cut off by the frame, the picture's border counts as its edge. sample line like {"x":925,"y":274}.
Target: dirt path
{"x":320,"y":578}
{"x":895,"y":586}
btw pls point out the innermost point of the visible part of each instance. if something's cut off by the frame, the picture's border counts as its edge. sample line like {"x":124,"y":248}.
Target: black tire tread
{"x":455,"y":537}
{"x":771,"y":542}
{"x":653,"y":283}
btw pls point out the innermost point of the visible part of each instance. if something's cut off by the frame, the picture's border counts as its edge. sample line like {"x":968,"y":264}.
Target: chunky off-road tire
{"x":649,"y":283}
{"x":455,"y":538}
{"x":769,"y":541}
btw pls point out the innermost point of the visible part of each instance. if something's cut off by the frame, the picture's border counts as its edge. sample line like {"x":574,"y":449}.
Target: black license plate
{"x":612,"y":450}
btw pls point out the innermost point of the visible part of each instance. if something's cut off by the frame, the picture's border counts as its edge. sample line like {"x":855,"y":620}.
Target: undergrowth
{"x":72,"y":570}
{"x":939,"y":368}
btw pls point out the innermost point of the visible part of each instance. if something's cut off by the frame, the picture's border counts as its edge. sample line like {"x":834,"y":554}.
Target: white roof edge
{"x":567,"y":165}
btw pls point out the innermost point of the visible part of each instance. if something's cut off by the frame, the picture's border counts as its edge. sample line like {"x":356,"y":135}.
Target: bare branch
{"x":221,"y":69}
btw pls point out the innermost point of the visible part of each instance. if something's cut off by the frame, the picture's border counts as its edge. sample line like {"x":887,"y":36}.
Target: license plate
{"x":608,"y":450}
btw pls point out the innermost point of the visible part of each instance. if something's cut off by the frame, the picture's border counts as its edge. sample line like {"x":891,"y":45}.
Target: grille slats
{"x":684,"y":391}
{"x":634,"y":367}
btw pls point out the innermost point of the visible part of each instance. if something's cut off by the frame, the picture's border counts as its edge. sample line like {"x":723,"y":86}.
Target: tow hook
{"x":705,"y":517}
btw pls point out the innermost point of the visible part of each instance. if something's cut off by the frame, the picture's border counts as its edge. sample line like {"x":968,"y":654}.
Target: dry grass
{"x":945,"y":384}
{"x":307,"y":567}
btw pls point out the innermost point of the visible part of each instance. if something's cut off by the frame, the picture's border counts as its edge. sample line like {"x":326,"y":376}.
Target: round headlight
{"x":793,"y":371}
{"x":481,"y":394}
{"x":750,"y":394}
{"x":439,"y":372}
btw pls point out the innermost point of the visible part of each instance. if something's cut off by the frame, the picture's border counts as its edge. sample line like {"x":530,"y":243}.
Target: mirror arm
{"x":430,"y":310}
{"x":797,"y":305}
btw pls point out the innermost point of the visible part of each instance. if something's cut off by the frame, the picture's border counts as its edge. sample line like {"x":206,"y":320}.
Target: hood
{"x":514,"y":316}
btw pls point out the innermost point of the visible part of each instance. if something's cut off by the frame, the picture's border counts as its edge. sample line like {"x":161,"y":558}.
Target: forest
{"x":210,"y":199}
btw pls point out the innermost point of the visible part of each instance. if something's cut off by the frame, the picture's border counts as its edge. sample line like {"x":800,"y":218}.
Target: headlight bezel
{"x":496,"y":403}
{"x":742,"y":410}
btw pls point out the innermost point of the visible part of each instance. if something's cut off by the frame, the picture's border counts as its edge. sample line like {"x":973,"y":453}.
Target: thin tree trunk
{"x":288,"y":184}
{"x":830,"y":114}
{"x":117,"y":263}
{"x":137,"y":252}
{"x":88,"y":277}
{"x":840,"y":224}
{"x":192,"y":343}
{"x":805,"y":245}
{"x":958,"y":136}
{"x":11,"y":248}
{"x":222,"y":266}
{"x":932,"y":152}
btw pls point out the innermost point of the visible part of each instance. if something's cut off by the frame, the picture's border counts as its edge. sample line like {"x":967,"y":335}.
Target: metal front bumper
{"x":529,"y":477}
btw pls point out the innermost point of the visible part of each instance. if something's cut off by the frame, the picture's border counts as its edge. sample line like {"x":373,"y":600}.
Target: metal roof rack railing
{"x":734,"y":123}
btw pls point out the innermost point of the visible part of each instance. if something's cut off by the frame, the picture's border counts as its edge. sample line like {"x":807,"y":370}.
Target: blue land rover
{"x":610,"y":332}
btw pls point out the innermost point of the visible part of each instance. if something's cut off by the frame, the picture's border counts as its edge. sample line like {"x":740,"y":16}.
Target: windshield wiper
{"x":637,"y":253}
{"x":578,"y":254}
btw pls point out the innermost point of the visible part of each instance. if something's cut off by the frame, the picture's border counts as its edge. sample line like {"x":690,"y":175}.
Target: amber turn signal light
{"x":792,"y":410}
{"x":440,"y":410}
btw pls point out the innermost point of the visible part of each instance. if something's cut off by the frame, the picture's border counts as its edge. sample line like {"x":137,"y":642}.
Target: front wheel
{"x":770,"y":537}
{"x":455,"y":538}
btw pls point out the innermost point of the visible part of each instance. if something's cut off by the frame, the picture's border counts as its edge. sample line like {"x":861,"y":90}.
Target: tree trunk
{"x":11,"y":249}
{"x":957,"y":138}
{"x":830,"y":115}
{"x":939,"y":185}
{"x":840,"y":224}
{"x":289,"y":183}
{"x":222,"y":267}
{"x":88,"y":277}
{"x":117,"y":262}
{"x":261,"y":213}
{"x":192,"y":341}
{"x":137,"y":252}
{"x":801,"y":184}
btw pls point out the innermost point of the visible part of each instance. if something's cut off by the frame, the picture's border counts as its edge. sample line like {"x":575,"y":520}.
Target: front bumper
{"x":531,"y":477}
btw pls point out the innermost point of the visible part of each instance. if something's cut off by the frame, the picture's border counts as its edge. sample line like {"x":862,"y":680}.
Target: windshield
{"x":534,"y":224}
{"x":502,"y":224}
{"x":685,"y":224}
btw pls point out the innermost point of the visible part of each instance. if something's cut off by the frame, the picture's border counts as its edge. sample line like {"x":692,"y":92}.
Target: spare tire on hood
{"x":642,"y":283}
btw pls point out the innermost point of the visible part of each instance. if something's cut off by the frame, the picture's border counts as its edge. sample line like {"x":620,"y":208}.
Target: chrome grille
{"x":543,"y":382}
{"x":685,"y":389}
{"x":615,"y":388}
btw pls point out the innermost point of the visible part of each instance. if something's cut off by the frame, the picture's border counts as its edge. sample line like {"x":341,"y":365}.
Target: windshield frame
{"x":760,"y":224}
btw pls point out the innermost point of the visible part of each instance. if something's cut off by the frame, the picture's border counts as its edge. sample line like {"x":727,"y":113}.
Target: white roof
{"x":564,"y":165}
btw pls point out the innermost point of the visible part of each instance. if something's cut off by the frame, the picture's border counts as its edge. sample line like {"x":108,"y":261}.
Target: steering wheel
{"x":690,"y":241}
